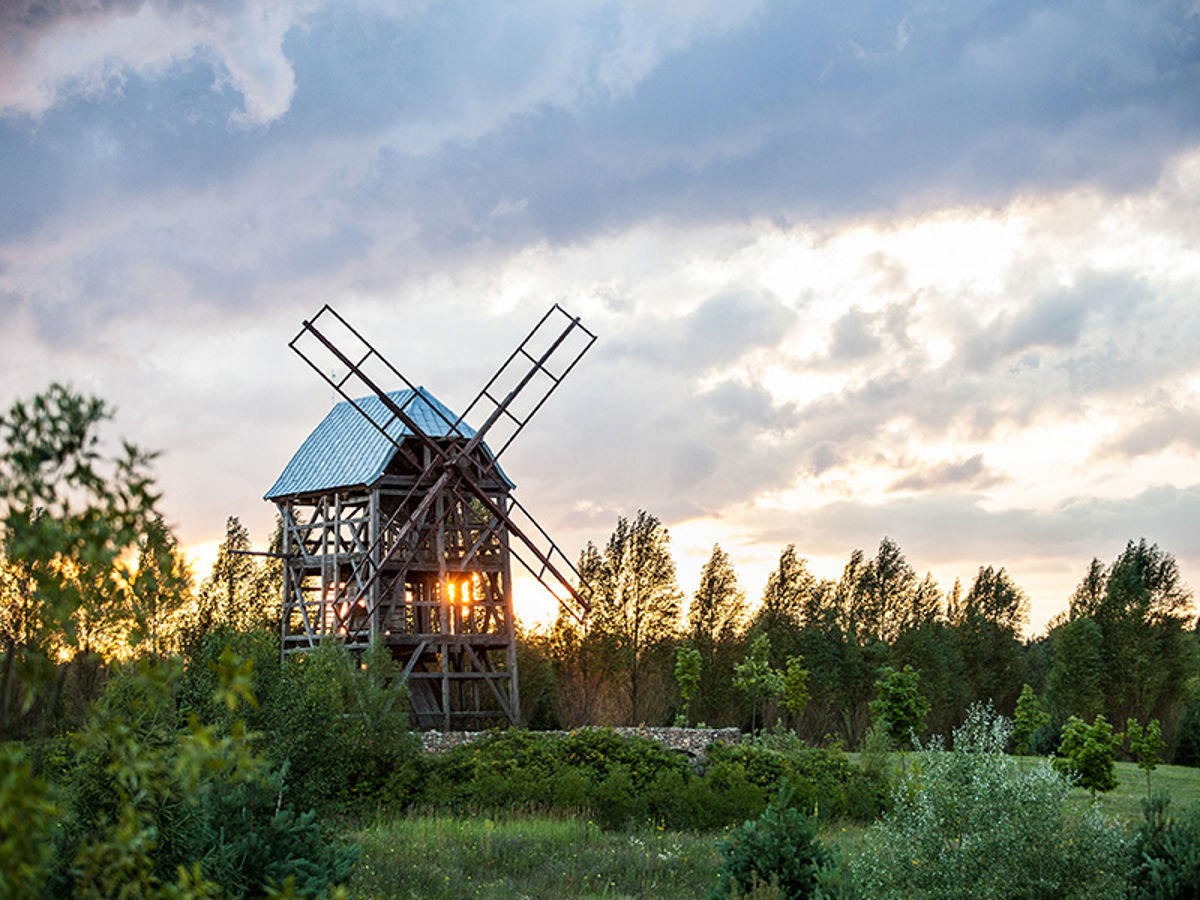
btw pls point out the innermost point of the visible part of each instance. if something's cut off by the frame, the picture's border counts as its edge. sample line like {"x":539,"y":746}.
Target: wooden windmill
{"x":399,"y":524}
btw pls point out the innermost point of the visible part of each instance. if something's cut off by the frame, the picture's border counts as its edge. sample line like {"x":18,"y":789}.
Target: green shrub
{"x":1166,"y":852}
{"x":823,"y":780}
{"x":597,"y":751}
{"x":969,"y":822}
{"x":779,"y":849}
{"x":343,"y":730}
{"x":27,"y":817}
{"x":1087,"y":754}
{"x":159,"y":812}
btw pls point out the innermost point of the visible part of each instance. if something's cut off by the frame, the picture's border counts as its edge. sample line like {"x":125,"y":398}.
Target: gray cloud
{"x":971,"y":472}
{"x":718,"y":332}
{"x":1157,"y":431}
{"x":63,"y":50}
{"x":853,"y":337}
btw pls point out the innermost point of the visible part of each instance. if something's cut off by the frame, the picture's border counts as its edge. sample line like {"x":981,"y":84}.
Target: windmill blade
{"x":525,"y":381}
{"x":330,"y":345}
{"x":520,"y":387}
{"x":549,"y":564}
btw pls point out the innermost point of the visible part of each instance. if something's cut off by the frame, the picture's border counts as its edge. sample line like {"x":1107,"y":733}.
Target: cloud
{"x":1158,"y":431}
{"x":970,"y":472}
{"x":73,"y":48}
{"x":718,"y":332}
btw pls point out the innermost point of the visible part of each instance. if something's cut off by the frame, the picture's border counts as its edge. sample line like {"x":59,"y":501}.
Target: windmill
{"x":399,"y":524}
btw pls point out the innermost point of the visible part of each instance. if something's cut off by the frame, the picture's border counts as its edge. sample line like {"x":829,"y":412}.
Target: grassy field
{"x":440,"y":856}
{"x":1182,"y":784}
{"x":536,"y":856}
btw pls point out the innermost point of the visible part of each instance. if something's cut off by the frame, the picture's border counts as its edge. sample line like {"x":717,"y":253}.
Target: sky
{"x":922,"y":270}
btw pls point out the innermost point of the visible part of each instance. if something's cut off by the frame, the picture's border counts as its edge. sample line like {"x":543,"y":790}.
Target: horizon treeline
{"x":1126,"y":645}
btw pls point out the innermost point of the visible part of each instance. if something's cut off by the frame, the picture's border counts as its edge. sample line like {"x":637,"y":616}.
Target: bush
{"x":823,"y":780}
{"x":343,"y":730}
{"x":779,"y":849}
{"x":1166,"y":852}
{"x":969,"y":822}
{"x":1087,"y":754}
{"x":160,"y":812}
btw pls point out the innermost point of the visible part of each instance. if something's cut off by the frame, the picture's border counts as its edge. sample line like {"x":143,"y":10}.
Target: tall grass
{"x":442,"y":856}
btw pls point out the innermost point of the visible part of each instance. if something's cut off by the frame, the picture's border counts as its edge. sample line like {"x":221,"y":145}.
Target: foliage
{"x":1028,"y":718}
{"x":342,"y":728}
{"x":69,"y":514}
{"x":755,"y":677}
{"x":899,"y":705}
{"x":779,"y":848}
{"x":27,"y":817}
{"x":635,"y":609}
{"x":1166,"y":852}
{"x":1146,"y":745}
{"x":1086,"y":753}
{"x":687,"y":676}
{"x":822,"y":780}
{"x":968,"y":822}
{"x":159,"y":812}
{"x":795,"y":686}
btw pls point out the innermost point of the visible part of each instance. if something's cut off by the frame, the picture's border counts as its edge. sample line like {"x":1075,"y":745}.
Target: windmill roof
{"x":346,"y":450}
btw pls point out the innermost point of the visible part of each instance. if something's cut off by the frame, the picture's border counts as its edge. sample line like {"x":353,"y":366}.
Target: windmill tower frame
{"x":400,"y":527}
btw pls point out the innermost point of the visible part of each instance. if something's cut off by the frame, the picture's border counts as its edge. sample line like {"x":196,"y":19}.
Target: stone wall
{"x":692,"y":741}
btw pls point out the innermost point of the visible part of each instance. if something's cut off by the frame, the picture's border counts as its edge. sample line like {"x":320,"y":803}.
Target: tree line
{"x":1125,"y":647}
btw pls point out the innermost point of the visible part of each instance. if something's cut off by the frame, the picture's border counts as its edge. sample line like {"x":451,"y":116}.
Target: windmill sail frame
{"x":417,"y":553}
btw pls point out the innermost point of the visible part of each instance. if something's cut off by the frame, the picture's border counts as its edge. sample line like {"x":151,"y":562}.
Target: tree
{"x":716,"y":619}
{"x":687,"y":676}
{"x":784,"y":600}
{"x":160,"y":587}
{"x":638,"y":608}
{"x":228,"y":594}
{"x":795,"y":687}
{"x":779,"y":849}
{"x":899,"y":706}
{"x":755,"y":677}
{"x":578,"y":650}
{"x":988,"y":626}
{"x":718,"y":609}
{"x":1075,"y":685}
{"x":1146,"y":654}
{"x":1029,"y":717}
{"x":70,"y":514}
{"x":1087,"y":753}
{"x":1146,"y":744}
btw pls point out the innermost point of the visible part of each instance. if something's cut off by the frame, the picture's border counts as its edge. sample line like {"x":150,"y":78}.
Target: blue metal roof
{"x":346,"y":450}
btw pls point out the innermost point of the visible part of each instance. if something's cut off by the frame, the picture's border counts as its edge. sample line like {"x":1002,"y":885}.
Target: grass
{"x":441,"y":856}
{"x":437,"y":855}
{"x":1182,"y":784}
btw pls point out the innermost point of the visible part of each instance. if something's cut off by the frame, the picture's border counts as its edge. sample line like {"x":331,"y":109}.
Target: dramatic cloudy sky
{"x":927,"y":270}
